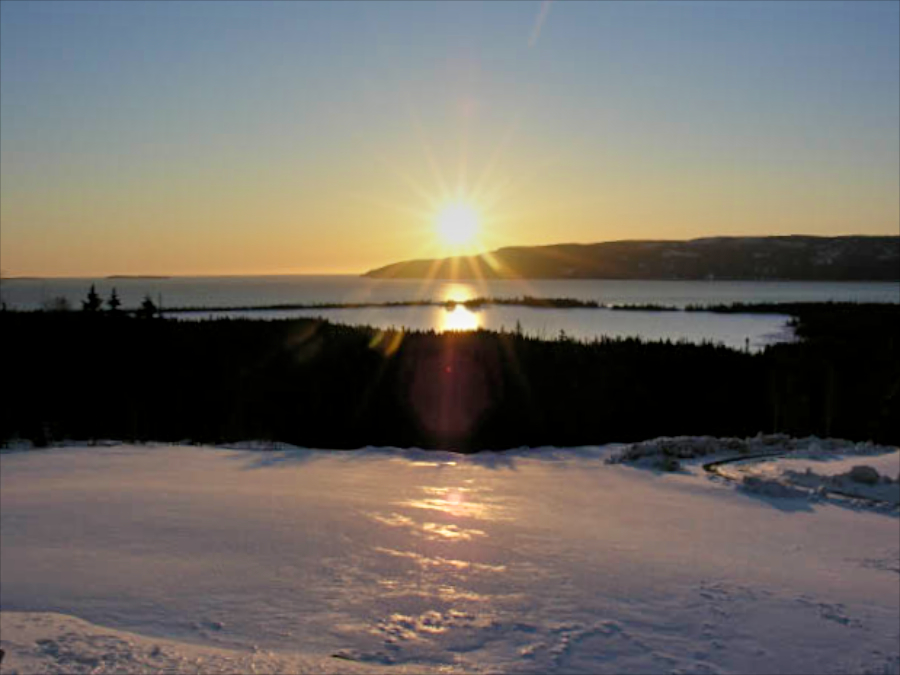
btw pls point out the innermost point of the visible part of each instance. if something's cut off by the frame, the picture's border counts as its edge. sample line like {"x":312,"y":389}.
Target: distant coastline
{"x":521,"y":301}
{"x":782,"y":258}
{"x":136,"y":276}
{"x":112,"y":277}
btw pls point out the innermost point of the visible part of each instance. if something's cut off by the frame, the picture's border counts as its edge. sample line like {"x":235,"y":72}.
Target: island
{"x":136,"y":276}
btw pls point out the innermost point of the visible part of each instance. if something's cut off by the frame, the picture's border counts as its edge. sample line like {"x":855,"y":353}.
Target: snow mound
{"x":45,"y":642}
{"x":771,"y":488}
{"x":650,"y":453}
{"x":779,"y":467}
{"x":873,"y":487}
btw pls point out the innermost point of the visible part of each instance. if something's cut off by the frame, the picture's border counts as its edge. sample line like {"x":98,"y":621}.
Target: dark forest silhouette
{"x":109,"y":374}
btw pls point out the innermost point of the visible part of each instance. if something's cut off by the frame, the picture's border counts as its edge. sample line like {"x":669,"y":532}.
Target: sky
{"x":206,"y":138}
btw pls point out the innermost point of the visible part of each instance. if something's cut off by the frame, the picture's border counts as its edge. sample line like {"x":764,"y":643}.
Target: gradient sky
{"x":267,"y":138}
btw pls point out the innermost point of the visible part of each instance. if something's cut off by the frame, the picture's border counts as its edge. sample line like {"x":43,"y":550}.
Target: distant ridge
{"x":113,"y":276}
{"x":795,"y":257}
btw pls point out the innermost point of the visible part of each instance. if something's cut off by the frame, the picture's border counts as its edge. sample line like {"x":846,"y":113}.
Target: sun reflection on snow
{"x":454,"y":502}
{"x":429,"y":562}
{"x":454,"y":532}
{"x":458,"y":502}
{"x":436,"y":573}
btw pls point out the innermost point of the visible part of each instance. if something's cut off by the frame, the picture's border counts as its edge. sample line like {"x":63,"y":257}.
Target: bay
{"x":270,"y":290}
{"x":738,"y":331}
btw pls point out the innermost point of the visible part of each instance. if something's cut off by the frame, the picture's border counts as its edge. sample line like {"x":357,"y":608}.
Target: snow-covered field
{"x":187,"y":559}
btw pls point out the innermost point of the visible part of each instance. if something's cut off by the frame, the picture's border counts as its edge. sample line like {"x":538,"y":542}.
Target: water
{"x":269,"y":290}
{"x":739,"y":331}
{"x":732,"y":330}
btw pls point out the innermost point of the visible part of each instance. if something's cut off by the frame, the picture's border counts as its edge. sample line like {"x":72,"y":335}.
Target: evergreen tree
{"x":93,"y":302}
{"x":148,"y":308}
{"x":114,"y":302}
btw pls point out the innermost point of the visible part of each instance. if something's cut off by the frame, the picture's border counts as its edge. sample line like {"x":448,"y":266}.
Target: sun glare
{"x":457,"y":224}
{"x":458,"y":319}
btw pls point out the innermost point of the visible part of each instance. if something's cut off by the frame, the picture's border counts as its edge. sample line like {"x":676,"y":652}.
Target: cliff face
{"x":853,"y":258}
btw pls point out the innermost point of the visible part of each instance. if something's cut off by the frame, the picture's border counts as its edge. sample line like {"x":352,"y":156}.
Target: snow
{"x":887,"y":464}
{"x":267,"y":558}
{"x":775,"y":465}
{"x":46,"y":642}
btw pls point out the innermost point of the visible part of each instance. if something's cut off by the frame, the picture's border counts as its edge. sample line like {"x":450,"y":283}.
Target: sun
{"x":457,"y":224}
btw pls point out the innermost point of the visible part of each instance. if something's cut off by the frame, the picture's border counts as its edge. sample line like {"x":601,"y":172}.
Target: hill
{"x":802,"y":258}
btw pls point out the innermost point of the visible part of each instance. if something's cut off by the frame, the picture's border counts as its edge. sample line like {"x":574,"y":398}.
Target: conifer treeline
{"x":92,"y":374}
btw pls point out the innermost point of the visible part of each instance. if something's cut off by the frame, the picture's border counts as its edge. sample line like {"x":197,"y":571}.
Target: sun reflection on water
{"x":458,"y":318}
{"x":457,"y":293}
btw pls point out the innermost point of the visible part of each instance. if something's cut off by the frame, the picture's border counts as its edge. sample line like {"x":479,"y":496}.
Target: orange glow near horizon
{"x":303,"y":138}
